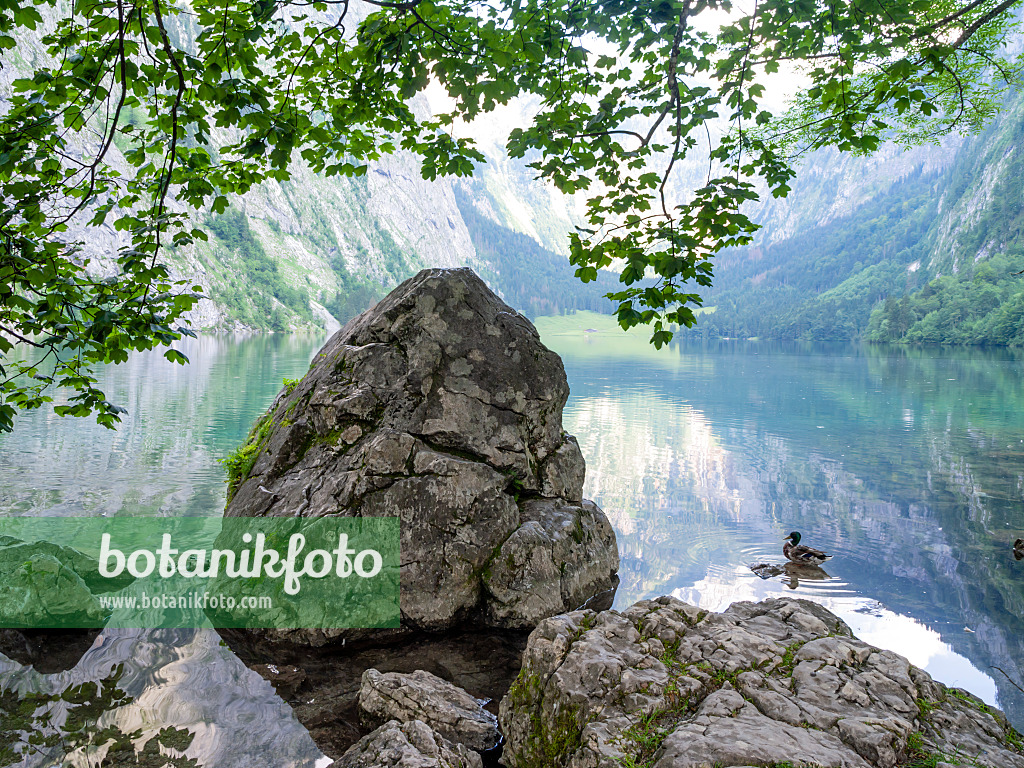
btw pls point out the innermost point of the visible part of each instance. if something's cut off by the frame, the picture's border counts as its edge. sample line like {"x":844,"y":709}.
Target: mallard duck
{"x":1018,"y":549}
{"x":801,"y":554}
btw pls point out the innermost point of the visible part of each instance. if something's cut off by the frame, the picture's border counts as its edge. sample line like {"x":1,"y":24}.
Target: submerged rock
{"x":407,"y":745}
{"x":441,"y":406}
{"x":446,"y":708}
{"x":47,"y":585}
{"x":784,"y":681}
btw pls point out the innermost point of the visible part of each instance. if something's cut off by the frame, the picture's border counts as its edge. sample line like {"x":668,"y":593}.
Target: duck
{"x":1018,"y":549}
{"x":801,"y":554}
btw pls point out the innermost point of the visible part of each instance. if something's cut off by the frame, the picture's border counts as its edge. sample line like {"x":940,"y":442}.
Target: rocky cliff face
{"x":380,"y":228}
{"x":441,"y":407}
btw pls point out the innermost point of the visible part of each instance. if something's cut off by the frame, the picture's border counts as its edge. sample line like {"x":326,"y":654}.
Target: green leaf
{"x":176,"y":357}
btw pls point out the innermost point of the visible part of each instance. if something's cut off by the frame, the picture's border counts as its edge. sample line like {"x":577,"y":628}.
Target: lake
{"x":906,"y":464}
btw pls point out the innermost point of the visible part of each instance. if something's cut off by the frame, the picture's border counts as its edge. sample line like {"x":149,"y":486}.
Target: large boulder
{"x":782,"y":682}
{"x":441,"y":406}
{"x":446,"y":708}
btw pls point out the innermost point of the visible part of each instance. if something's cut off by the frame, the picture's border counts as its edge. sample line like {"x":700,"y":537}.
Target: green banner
{"x":187,"y":572}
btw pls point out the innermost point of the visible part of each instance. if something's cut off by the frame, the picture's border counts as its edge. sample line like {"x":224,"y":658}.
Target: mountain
{"x":314,"y":251}
{"x":287,"y":254}
{"x":928,"y":239}
{"x":921,"y":245}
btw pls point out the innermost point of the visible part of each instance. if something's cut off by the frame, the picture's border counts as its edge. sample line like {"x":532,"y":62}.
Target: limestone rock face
{"x":446,"y":708}
{"x":441,"y":406}
{"x":407,"y":745}
{"x":779,"y":682}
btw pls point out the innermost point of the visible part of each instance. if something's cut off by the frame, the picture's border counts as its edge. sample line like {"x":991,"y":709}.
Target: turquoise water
{"x":162,"y":461}
{"x":907,"y":466}
{"x":163,"y":458}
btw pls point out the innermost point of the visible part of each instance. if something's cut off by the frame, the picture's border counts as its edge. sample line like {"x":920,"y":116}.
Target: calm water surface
{"x":163,"y":461}
{"x":907,"y":465}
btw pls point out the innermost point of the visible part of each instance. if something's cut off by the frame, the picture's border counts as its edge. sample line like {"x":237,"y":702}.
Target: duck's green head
{"x":794,"y":536}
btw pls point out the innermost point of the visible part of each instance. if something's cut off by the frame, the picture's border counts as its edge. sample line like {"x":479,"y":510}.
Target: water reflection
{"x":794,"y":574}
{"x":161,"y":461}
{"x":791,"y":574}
{"x":906,"y":465}
{"x":154,"y":681}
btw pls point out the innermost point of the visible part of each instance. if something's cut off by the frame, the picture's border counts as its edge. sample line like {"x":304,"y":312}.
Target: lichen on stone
{"x":782,"y":682}
{"x":440,"y":406}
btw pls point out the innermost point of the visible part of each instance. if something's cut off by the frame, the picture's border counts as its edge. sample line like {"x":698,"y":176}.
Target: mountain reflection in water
{"x":173,"y":679}
{"x":161,"y":461}
{"x":907,"y":465}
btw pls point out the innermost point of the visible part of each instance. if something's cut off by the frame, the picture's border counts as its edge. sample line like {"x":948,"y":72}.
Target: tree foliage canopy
{"x":205,"y":98}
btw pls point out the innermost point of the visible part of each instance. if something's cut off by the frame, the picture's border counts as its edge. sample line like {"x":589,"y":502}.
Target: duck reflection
{"x":792,"y":573}
{"x":795,"y":573}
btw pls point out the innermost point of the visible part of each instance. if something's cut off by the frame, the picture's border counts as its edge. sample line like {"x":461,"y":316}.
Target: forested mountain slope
{"x":314,"y":250}
{"x":855,"y":235}
{"x":931,"y":251}
{"x":976,"y":252}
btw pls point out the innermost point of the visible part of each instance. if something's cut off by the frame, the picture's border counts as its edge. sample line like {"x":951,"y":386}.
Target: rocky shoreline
{"x":322,"y":685}
{"x":777,"y":684}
